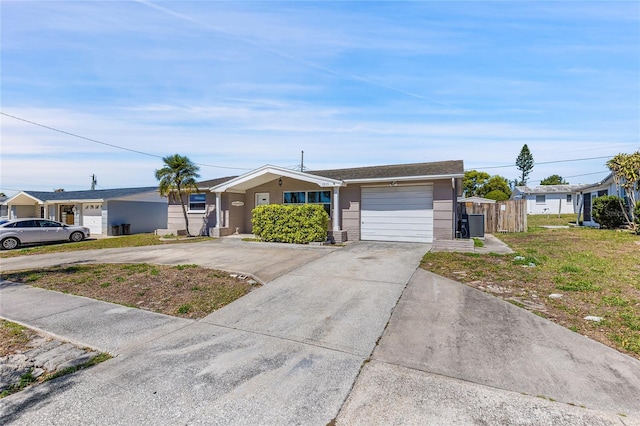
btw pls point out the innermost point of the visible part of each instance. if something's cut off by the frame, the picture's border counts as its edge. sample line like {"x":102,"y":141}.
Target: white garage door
{"x":92,"y":218}
{"x":397,"y":213}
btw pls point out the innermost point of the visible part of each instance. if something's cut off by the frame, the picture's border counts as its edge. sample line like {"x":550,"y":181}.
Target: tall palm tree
{"x":178,"y":177}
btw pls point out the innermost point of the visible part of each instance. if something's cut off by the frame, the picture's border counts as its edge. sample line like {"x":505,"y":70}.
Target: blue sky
{"x":243,"y":84}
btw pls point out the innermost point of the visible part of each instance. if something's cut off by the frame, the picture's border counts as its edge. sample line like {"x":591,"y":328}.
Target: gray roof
{"x":102,"y":194}
{"x":454,"y":167}
{"x":206,"y":184}
{"x":550,"y":189}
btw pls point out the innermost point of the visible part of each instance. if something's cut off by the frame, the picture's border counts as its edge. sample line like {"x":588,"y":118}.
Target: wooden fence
{"x":503,"y":216}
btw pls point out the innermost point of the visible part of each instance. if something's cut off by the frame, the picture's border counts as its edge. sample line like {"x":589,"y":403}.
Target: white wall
{"x":553,"y":204}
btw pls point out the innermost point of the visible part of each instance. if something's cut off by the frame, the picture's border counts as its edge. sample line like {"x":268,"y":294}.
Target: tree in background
{"x":482,"y":184}
{"x":524,"y":163}
{"x":625,"y":169}
{"x":178,"y":177}
{"x":472,"y":181}
{"x":553,"y":180}
{"x":496,"y":188}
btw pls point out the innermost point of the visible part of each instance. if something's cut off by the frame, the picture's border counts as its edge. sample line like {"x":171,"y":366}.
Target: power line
{"x":544,"y":162}
{"x":109,"y":144}
{"x":583,"y":174}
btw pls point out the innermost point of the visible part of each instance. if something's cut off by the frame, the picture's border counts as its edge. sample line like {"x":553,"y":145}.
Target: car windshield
{"x":2,"y":222}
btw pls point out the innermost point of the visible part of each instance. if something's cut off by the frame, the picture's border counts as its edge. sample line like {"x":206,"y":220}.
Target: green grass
{"x":137,"y":240}
{"x":477,"y":242}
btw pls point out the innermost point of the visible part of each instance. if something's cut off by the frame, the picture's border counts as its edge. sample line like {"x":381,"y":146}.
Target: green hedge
{"x":607,"y":212}
{"x":299,"y":224}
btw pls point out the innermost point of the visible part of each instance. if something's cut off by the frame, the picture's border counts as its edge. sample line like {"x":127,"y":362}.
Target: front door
{"x":586,"y":216}
{"x":262,"y":198}
{"x":67,"y":215}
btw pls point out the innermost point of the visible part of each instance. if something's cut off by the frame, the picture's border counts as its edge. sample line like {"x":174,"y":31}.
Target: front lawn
{"x":589,"y":272}
{"x":187,"y":291}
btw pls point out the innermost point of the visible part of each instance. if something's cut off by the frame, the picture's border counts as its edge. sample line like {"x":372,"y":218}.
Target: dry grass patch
{"x":187,"y":291}
{"x":14,"y":338}
{"x":597,"y":272}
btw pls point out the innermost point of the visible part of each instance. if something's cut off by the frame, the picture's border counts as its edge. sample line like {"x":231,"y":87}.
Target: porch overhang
{"x":268,"y":173}
{"x":22,"y":198}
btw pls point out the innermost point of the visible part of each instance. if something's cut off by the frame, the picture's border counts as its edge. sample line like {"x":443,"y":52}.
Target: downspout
{"x":454,"y":212}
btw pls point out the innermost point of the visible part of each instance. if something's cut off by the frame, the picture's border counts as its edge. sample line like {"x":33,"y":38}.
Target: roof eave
{"x":405,"y":178}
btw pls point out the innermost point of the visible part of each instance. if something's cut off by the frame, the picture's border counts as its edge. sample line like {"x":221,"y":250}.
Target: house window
{"x":540,"y":199}
{"x":568,"y":198}
{"x":197,"y":203}
{"x":299,"y":197}
{"x":309,"y":197}
{"x":602,"y":193}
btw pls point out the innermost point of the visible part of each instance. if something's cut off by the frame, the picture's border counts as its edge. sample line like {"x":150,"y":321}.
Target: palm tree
{"x":178,"y":177}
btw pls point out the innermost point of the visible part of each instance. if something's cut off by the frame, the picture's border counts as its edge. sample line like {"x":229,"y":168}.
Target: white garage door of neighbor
{"x":397,"y":213}
{"x":92,"y":218}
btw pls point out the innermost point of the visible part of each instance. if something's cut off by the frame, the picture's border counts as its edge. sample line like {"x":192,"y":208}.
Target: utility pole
{"x":94,"y":182}
{"x":302,"y":162}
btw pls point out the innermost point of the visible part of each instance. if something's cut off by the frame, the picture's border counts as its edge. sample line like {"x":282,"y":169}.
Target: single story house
{"x":99,"y":210}
{"x":403,"y":202}
{"x":587,"y":193}
{"x":548,"y":199}
{"x":4,"y":211}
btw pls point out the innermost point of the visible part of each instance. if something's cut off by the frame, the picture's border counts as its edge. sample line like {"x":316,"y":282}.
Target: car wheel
{"x":76,"y":236}
{"x":10,"y":243}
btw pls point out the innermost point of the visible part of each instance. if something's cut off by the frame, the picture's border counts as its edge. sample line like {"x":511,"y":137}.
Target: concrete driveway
{"x":454,"y":355}
{"x":288,"y":353}
{"x":265,"y":261}
{"x":354,"y":334}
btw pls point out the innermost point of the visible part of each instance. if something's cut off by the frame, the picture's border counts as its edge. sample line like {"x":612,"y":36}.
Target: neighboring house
{"x":4,"y":211}
{"x":99,"y":210}
{"x":404,"y":202}
{"x":548,"y":199}
{"x":587,"y":193}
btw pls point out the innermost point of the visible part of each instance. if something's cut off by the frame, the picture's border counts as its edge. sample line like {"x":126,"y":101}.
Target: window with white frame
{"x":568,"y":198}
{"x":197,"y":203}
{"x":309,"y":197}
{"x":540,"y":199}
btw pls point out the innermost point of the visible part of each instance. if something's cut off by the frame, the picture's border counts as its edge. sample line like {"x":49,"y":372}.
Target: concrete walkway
{"x":288,"y":353}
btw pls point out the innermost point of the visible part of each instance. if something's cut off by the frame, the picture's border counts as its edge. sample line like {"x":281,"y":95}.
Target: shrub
{"x":497,"y":195}
{"x":636,"y":213}
{"x":299,"y":224}
{"x":607,"y":211}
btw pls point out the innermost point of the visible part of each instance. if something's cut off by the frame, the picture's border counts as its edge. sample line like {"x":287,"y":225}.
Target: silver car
{"x":15,"y":232}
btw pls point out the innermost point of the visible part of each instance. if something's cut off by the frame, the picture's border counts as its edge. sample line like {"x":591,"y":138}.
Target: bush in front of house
{"x":607,"y":211}
{"x":298,"y":224}
{"x":636,"y":212}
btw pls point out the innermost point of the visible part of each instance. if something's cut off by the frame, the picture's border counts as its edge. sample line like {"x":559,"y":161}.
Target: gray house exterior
{"x":405,"y":202}
{"x":586,"y":194}
{"x":99,"y":210}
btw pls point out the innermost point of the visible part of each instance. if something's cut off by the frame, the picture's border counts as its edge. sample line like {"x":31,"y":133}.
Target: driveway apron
{"x":454,"y":355}
{"x":287,"y":353}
